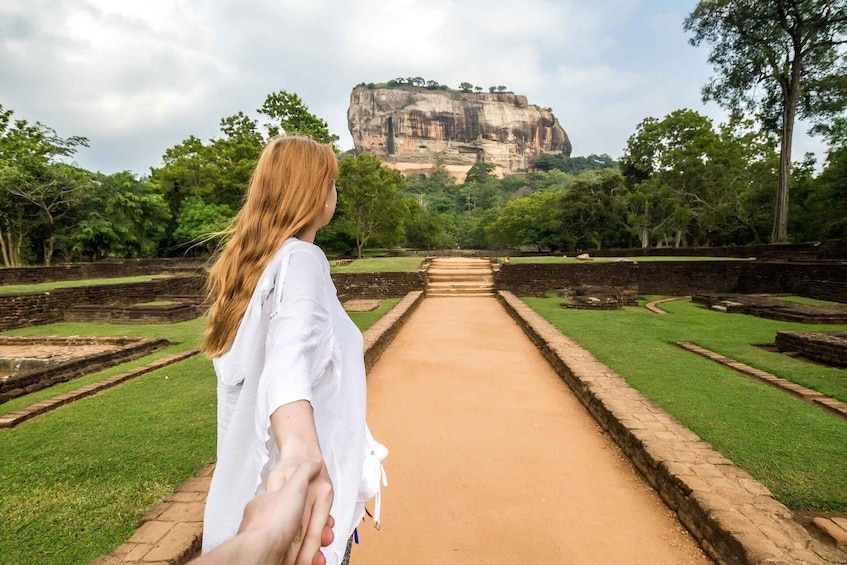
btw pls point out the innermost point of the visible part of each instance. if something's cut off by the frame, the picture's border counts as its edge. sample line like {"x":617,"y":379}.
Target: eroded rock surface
{"x":411,"y":128}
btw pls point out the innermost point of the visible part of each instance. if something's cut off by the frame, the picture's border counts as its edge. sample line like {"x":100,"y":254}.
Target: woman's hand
{"x":316,"y":524}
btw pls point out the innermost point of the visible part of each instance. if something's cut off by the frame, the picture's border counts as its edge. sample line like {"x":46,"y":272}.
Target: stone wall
{"x":35,"y":308}
{"x":535,"y":279}
{"x":378,"y":285}
{"x":825,"y":281}
{"x":99,"y":270}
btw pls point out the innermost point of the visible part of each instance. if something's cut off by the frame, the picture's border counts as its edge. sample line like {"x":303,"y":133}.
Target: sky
{"x":138,"y":77}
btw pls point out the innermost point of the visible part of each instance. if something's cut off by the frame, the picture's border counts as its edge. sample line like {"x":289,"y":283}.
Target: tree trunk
{"x":678,"y":241}
{"x":645,"y":237}
{"x":49,"y":246}
{"x":359,"y":248}
{"x":789,"y":111}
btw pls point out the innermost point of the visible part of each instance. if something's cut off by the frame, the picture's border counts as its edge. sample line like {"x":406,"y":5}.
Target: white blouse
{"x":295,"y":342}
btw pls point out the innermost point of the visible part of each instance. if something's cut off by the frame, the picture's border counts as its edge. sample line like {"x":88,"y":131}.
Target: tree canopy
{"x":778,"y":60}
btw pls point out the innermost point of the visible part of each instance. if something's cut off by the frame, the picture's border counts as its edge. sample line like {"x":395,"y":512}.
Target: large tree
{"x":370,"y":196}
{"x":290,"y":115}
{"x":779,"y":59}
{"x":36,"y":187}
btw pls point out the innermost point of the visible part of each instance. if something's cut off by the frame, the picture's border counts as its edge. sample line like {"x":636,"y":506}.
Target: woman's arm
{"x":293,"y":426}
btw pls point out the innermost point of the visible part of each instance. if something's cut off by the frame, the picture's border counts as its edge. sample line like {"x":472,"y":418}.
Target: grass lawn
{"x":572,"y":259}
{"x":379,"y":265}
{"x":797,"y":450}
{"x":42,"y":287}
{"x":75,"y":482}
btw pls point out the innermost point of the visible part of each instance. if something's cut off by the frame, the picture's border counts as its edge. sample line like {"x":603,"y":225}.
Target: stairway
{"x":449,"y":276}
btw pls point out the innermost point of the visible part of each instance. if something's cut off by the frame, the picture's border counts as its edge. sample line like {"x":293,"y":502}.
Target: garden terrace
{"x":40,"y":362}
{"x":772,"y":308}
{"x":134,"y":314}
{"x":825,"y":347}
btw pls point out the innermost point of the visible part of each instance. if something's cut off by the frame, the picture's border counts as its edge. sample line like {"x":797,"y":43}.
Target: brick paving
{"x":832,"y":405}
{"x":12,"y":419}
{"x":734,"y":517}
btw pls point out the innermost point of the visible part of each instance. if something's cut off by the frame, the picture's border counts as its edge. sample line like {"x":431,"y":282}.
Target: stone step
{"x":458,"y":294}
{"x":461,"y":284}
{"x":441,"y":276}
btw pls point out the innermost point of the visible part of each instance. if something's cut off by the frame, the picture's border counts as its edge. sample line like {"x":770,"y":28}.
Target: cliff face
{"x":410,"y":128}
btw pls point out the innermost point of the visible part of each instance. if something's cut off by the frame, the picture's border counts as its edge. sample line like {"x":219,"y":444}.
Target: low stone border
{"x":733,"y":517}
{"x":809,"y":395}
{"x":171,"y":533}
{"x":382,"y":333}
{"x":12,"y":419}
{"x":654,"y":306}
{"x":129,"y":349}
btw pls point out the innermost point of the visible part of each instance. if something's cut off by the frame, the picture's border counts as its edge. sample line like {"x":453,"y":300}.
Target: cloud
{"x":139,"y":77}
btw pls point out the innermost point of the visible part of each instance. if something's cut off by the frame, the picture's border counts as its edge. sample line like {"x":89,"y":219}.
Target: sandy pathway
{"x":494,"y":461}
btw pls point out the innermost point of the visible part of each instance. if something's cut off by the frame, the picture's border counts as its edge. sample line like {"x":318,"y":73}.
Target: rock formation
{"x":410,"y":128}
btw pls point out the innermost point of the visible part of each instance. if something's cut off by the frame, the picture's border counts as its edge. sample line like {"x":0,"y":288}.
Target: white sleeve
{"x":300,"y":340}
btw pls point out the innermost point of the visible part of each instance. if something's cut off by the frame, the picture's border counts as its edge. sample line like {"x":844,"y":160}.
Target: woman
{"x":291,"y":376}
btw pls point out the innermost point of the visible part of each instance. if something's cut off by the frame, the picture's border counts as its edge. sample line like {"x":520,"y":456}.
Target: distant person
{"x":288,"y":359}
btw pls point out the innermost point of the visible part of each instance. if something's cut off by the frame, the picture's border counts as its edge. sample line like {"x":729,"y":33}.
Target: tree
{"x":501,"y":88}
{"x":370,"y":196}
{"x":492,"y":89}
{"x":529,"y":221}
{"x":781,"y":59}
{"x":199,"y":223}
{"x":478,"y":88}
{"x":465,"y":87}
{"x":592,"y":209}
{"x":119,"y":215}
{"x":37,"y":188}
{"x":290,"y":115}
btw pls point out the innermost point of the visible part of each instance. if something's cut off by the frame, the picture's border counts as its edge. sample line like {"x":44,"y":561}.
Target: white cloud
{"x":139,"y":77}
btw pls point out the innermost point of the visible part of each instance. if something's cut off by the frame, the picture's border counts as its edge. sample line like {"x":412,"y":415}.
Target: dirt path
{"x":494,"y":461}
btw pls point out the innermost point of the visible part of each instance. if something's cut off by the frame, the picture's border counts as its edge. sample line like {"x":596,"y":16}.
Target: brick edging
{"x":171,"y":533}
{"x":12,"y":419}
{"x":732,"y":516}
{"x":382,"y":332}
{"x":819,"y":399}
{"x":654,"y":306}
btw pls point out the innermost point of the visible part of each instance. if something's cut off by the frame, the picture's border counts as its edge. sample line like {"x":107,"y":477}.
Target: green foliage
{"x":288,"y":114}
{"x":370,"y":198}
{"x":465,"y":87}
{"x":199,"y":223}
{"x":688,"y":183}
{"x":119,"y":216}
{"x":593,"y":210}
{"x":533,"y":220}
{"x":36,"y":189}
{"x":776,"y":60}
{"x":574,"y":165}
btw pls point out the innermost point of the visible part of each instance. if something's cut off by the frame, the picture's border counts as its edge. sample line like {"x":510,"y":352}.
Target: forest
{"x":681,"y":181}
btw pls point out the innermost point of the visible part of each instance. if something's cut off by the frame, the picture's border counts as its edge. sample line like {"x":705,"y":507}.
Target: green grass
{"x":796,"y":449}
{"x":379,"y":265}
{"x":811,"y":301}
{"x":43,"y":287}
{"x":572,"y":259}
{"x":75,"y":482}
{"x":364,"y":320}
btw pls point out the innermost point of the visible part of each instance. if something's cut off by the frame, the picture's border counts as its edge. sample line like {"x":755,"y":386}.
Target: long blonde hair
{"x":288,"y":190}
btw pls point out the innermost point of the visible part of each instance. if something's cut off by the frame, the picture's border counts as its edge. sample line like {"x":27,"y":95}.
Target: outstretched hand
{"x":315,"y":524}
{"x":271,"y":523}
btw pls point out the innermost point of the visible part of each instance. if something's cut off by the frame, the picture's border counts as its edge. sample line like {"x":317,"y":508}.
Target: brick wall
{"x":35,"y":308}
{"x":378,"y":285}
{"x":99,"y":270}
{"x":826,"y":281}
{"x":534,"y":279}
